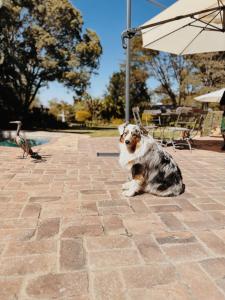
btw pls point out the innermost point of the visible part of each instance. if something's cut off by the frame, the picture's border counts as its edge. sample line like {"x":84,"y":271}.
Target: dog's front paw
{"x":128,"y":193}
{"x":126,"y":185}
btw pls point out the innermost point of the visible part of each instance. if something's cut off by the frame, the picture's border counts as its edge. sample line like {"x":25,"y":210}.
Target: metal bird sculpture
{"x":23,"y":143}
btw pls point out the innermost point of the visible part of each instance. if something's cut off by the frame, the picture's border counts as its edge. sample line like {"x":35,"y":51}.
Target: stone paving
{"x":67,"y":233}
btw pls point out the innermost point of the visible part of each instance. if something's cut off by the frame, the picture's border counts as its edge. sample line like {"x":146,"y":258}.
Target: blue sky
{"x":108,"y":19}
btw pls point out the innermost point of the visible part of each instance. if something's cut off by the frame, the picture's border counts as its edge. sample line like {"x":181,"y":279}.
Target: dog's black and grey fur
{"x":153,"y":170}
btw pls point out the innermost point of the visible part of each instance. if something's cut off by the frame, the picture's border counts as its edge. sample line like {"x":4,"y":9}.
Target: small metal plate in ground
{"x":107,"y":154}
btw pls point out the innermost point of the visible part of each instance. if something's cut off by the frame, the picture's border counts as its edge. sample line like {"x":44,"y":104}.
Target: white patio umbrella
{"x":187,"y":27}
{"x":211,"y":97}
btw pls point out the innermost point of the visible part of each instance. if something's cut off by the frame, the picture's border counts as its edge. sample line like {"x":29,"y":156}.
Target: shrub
{"x":146,"y":118}
{"x":116,"y":121}
{"x":82,"y":115}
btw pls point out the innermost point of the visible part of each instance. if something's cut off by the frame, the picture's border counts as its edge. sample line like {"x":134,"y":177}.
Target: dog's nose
{"x":127,"y":142}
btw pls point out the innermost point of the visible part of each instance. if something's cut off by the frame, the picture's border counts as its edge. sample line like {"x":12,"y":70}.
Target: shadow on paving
{"x":209,"y":145}
{"x":80,"y":130}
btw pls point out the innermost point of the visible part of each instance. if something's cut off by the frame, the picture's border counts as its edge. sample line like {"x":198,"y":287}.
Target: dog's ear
{"x":122,"y":127}
{"x":143,"y":130}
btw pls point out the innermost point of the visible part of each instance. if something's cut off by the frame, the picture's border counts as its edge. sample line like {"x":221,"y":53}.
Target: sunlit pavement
{"x":67,"y":233}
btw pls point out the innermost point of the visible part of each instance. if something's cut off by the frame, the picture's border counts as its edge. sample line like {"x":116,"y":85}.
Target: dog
{"x":152,"y":169}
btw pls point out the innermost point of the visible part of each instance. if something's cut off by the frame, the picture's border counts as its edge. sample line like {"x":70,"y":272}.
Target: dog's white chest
{"x":126,"y":159}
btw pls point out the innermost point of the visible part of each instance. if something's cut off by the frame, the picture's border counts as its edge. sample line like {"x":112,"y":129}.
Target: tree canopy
{"x":175,"y":76}
{"x":179,"y":78}
{"x":114,"y":101}
{"x":43,"y":41}
{"x":210,"y":70}
{"x":57,"y":108}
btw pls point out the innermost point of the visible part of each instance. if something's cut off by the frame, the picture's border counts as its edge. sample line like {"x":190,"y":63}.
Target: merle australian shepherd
{"x":152,"y":169}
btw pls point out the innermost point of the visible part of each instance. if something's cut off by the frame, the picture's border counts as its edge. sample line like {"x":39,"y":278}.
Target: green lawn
{"x":111,"y":132}
{"x":115,"y":133}
{"x":104,"y":133}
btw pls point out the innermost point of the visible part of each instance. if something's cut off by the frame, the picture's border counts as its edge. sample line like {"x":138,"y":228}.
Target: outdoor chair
{"x":181,"y":136}
{"x":136,"y":115}
{"x":168,"y":118}
{"x":186,"y":127}
{"x":180,"y":114}
{"x":138,"y":120}
{"x":170,"y":122}
{"x":150,"y":128}
{"x":154,"y":114}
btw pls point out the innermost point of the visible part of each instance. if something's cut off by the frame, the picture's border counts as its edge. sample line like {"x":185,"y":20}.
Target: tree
{"x":42,"y":41}
{"x":182,"y":77}
{"x":57,"y":108}
{"x":139,"y":95}
{"x":175,"y":75}
{"x":89,"y":104}
{"x":94,"y":106}
{"x":113,"y":103}
{"x":115,"y":99}
{"x":210,"y":70}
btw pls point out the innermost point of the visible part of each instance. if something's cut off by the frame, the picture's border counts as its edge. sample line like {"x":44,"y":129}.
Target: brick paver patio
{"x":67,"y":233}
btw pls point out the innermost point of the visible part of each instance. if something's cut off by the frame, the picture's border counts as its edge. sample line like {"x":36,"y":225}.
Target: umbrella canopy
{"x":211,"y":97}
{"x":187,"y":27}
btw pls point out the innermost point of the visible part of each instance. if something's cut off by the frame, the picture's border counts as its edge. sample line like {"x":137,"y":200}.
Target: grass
{"x":115,"y":133}
{"x":99,"y":131}
{"x":106,"y":131}
{"x":103,"y":131}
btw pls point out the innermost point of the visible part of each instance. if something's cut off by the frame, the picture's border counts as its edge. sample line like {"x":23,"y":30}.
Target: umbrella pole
{"x":127,"y":85}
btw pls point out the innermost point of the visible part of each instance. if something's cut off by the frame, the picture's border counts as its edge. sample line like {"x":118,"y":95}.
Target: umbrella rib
{"x":222,"y":17}
{"x":209,"y":29}
{"x":219,"y":4}
{"x":179,"y":18}
{"x":191,"y":41}
{"x":166,"y":34}
{"x":189,"y":24}
{"x":197,"y":35}
{"x":211,"y":12}
{"x":172,"y":31}
{"x":217,"y":28}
